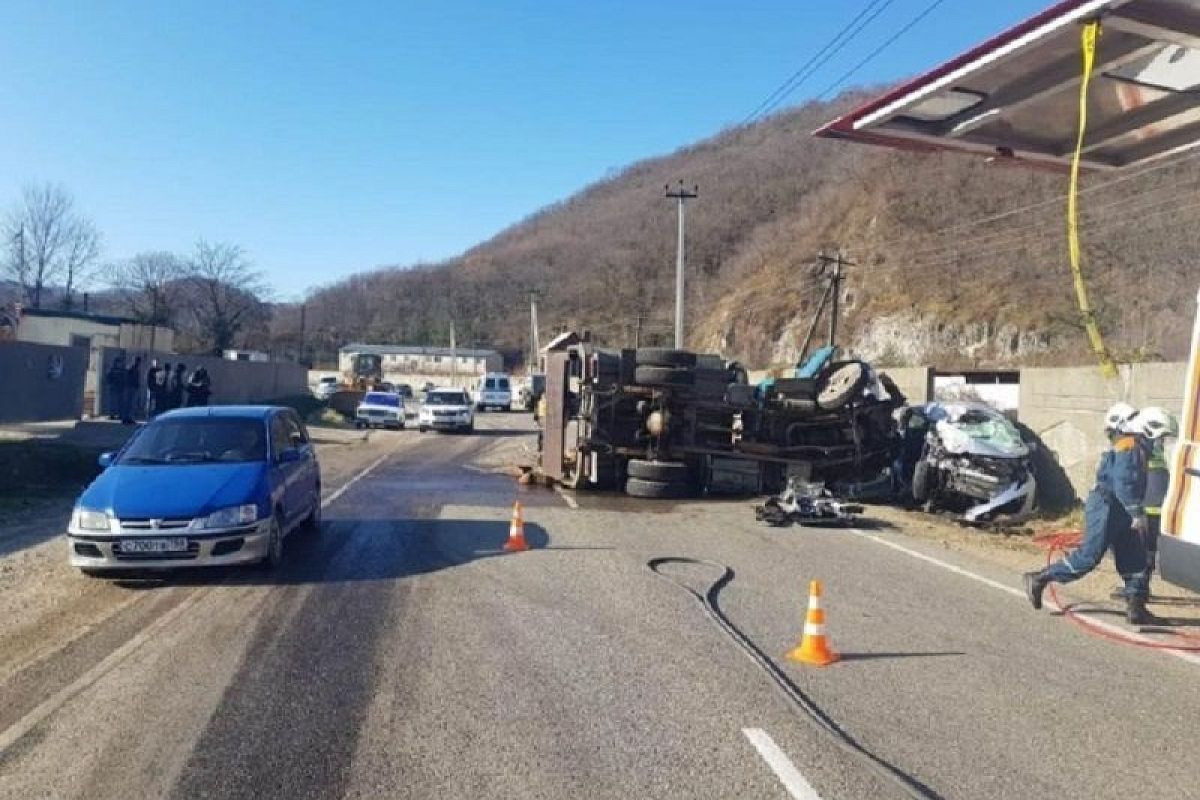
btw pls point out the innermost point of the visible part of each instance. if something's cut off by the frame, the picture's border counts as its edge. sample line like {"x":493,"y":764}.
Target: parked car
{"x":495,"y":391}
{"x":325,"y":388}
{"x":199,"y":486}
{"x":447,"y":409}
{"x":380,"y":410}
{"x":405,"y":391}
{"x":968,"y":458}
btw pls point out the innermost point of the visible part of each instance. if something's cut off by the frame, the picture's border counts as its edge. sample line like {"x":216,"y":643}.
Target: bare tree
{"x":48,"y":241}
{"x":79,"y":257}
{"x":150,"y":286}
{"x":225,"y":293}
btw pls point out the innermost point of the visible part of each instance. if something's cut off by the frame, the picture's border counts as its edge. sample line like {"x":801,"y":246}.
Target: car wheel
{"x":664,"y":357}
{"x":841,"y":383}
{"x":639,"y":487}
{"x":661,"y":471}
{"x":663,"y":376}
{"x":313,"y":523}
{"x":274,"y":556}
{"x":921,"y":481}
{"x":421,"y":428}
{"x":470,"y":428}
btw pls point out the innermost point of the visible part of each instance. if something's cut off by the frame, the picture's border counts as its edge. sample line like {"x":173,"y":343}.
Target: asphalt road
{"x":401,"y":653}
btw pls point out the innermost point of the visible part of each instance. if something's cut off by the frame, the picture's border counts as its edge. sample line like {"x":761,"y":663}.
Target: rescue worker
{"x":1155,"y":425}
{"x":1114,"y":518}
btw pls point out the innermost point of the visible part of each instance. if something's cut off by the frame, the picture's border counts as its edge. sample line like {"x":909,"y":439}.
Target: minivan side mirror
{"x":289,"y":456}
{"x":105,"y":460}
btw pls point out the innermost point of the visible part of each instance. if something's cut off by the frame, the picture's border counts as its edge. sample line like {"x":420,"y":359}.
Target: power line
{"x":886,"y":44}
{"x":819,"y":59}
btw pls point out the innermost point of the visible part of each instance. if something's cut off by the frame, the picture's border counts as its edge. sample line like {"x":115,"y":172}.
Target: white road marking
{"x":48,"y":706}
{"x":567,"y":498}
{"x":1186,"y":655}
{"x":795,"y":783}
{"x":342,"y":489}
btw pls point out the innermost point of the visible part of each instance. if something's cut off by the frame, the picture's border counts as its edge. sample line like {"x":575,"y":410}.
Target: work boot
{"x":1136,"y":612}
{"x":1035,"y":584}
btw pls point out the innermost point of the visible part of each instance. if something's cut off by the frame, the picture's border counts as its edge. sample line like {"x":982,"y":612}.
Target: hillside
{"x":771,"y":197}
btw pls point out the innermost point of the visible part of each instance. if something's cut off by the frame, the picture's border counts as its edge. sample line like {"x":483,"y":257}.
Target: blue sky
{"x":332,"y":137}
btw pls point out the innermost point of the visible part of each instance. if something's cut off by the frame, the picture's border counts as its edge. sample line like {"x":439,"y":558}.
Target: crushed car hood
{"x":976,"y":429}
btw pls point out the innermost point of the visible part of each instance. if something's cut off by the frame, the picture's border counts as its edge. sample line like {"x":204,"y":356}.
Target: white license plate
{"x":176,"y":544}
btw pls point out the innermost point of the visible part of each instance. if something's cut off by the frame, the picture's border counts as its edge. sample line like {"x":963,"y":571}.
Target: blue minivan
{"x":204,"y":486}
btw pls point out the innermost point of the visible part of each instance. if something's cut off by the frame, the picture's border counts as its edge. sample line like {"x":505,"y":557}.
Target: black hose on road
{"x":799,"y":700}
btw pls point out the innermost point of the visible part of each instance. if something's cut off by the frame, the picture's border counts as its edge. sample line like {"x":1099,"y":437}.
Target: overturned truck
{"x":664,"y":423}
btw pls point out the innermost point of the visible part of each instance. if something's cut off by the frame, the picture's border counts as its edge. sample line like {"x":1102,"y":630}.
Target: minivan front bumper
{"x":223,"y":547}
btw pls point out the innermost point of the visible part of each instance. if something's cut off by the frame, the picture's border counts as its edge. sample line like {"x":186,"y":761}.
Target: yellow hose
{"x":1091,"y":32}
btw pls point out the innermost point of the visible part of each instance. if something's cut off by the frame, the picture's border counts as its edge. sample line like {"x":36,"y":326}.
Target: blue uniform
{"x":1109,"y":511}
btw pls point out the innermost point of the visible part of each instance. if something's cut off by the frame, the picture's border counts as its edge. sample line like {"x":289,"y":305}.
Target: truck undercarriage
{"x":667,"y":423}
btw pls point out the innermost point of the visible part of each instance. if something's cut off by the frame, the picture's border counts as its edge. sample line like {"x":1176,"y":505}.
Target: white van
{"x":1179,"y":546}
{"x":494,"y":391}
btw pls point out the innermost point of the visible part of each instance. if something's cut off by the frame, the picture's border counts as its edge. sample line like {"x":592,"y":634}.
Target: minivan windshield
{"x":199,"y":440}
{"x":446,"y":399}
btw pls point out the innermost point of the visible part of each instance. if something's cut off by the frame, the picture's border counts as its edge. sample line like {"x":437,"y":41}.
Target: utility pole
{"x":303,"y":314}
{"x":835,"y":288}
{"x":681,"y":196}
{"x":453,"y":357}
{"x":637,"y":332}
{"x":534,"y":344}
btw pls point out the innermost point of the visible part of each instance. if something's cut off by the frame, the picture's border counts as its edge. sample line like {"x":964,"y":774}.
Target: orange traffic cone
{"x":516,"y":531}
{"x":814,"y":647}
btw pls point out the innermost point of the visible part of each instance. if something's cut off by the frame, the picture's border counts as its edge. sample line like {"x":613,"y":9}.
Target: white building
{"x":417,"y":364}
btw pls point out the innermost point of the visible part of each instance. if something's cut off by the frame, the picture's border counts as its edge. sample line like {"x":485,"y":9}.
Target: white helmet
{"x":1154,"y":423}
{"x":1118,"y":416}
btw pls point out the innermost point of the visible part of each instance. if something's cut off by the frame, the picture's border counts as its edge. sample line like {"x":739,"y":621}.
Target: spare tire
{"x":663,"y":471}
{"x":840,"y":383}
{"x":663,"y":376}
{"x":664,"y":357}
{"x":639,"y":487}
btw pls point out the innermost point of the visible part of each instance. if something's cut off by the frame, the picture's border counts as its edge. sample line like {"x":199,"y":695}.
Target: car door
{"x":283,"y":469}
{"x":308,"y":478}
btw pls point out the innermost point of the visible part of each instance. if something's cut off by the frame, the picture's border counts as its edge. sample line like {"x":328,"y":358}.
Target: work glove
{"x":1140,"y":525}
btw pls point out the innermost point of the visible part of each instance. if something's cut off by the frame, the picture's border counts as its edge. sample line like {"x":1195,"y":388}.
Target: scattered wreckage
{"x":663,"y":423}
{"x":967,"y":458}
{"x":805,"y":503}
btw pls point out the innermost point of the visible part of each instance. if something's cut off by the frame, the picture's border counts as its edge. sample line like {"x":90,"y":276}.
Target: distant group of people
{"x":160,"y":389}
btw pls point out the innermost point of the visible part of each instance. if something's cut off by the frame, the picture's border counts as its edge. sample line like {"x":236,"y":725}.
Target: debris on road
{"x":806,"y":504}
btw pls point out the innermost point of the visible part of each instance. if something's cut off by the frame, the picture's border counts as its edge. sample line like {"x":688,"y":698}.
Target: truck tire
{"x":658,"y":490}
{"x":658,"y":471}
{"x":664,"y":357}
{"x":840,"y":383}
{"x":663,"y":376}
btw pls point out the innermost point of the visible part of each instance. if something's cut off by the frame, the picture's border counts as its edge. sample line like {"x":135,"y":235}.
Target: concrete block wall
{"x":1065,"y":407}
{"x":915,"y":382}
{"x":233,"y":382}
{"x":41,"y":382}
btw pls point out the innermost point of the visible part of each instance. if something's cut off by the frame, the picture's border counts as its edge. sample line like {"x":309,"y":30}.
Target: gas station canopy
{"x":1016,"y":95}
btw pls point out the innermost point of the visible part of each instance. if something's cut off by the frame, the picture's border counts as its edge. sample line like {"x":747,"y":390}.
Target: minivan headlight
{"x":232,"y":517}
{"x":88,"y":520}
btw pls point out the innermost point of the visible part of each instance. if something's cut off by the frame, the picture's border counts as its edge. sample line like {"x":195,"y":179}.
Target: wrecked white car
{"x":968,"y":458}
